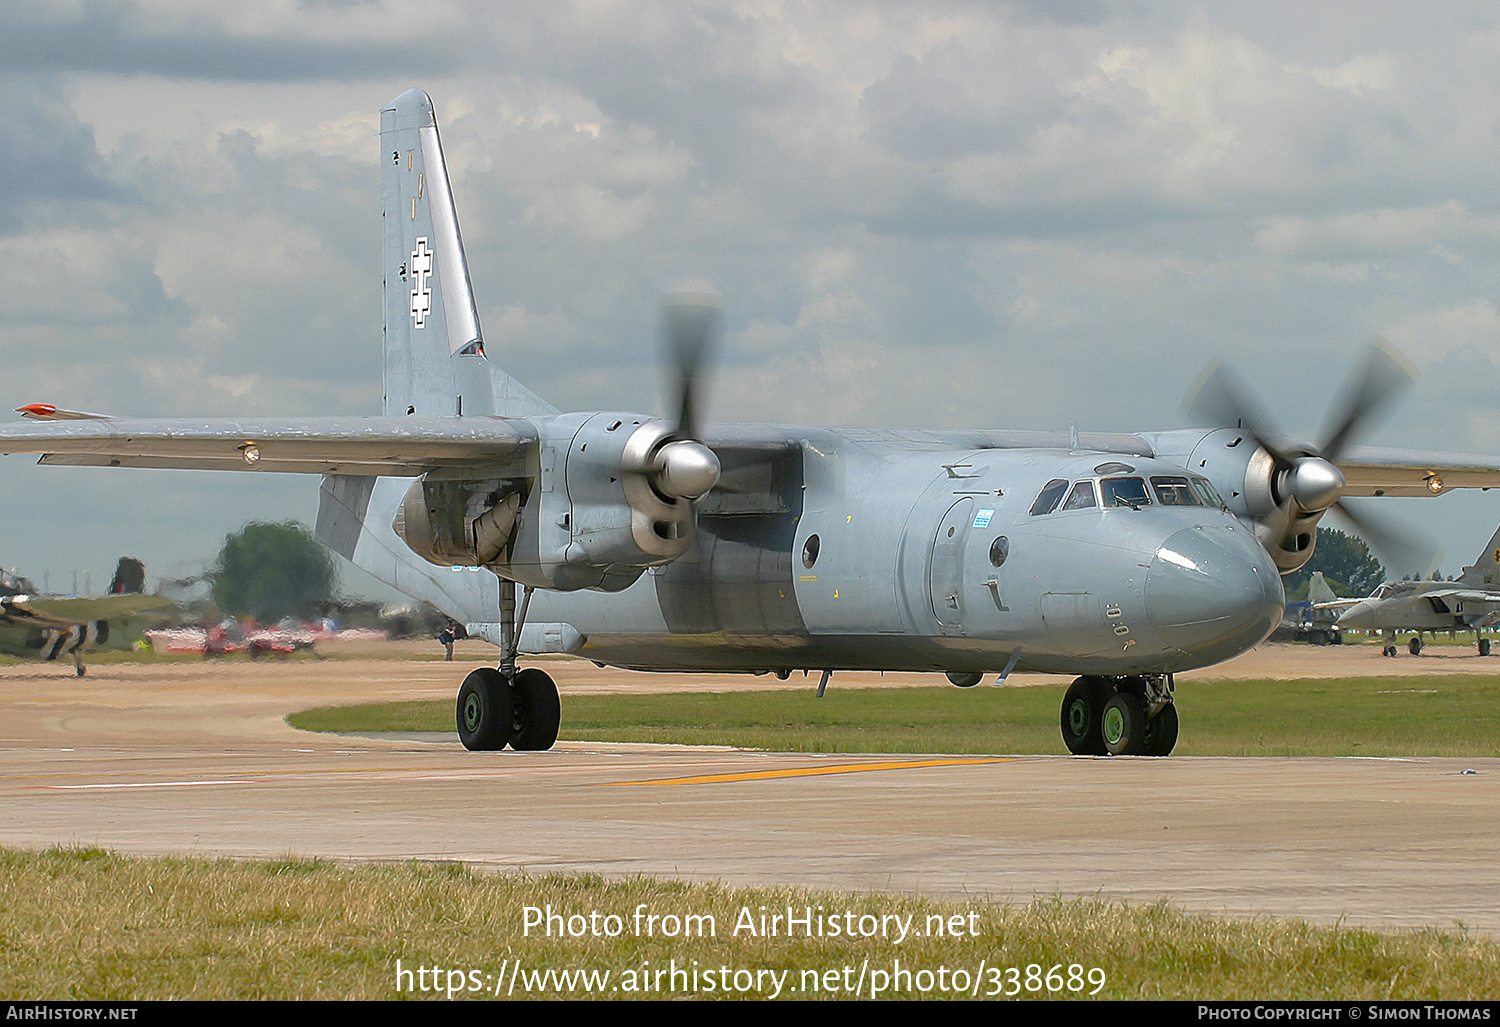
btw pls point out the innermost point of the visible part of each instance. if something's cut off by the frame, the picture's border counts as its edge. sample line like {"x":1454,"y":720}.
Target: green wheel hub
{"x":1113,"y":725}
{"x":473,"y":709}
{"x":1078,"y":715}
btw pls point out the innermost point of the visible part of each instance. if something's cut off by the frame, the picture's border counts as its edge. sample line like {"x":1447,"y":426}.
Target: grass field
{"x":87,"y":924}
{"x":1449,"y":715}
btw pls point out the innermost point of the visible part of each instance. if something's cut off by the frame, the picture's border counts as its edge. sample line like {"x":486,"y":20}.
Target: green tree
{"x":270,"y":571}
{"x":1346,"y":562}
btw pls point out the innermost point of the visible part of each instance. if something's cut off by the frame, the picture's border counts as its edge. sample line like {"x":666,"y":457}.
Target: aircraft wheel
{"x":964,"y":679}
{"x":1124,"y":725}
{"x":1484,"y":647}
{"x":1082,"y":708}
{"x":1389,"y":650}
{"x":1414,"y":646}
{"x":537,"y":712}
{"x":486,"y":718}
{"x":1161,"y":732}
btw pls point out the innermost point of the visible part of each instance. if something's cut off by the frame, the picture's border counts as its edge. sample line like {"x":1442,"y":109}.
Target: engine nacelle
{"x":604,"y":497}
{"x":602,"y":511}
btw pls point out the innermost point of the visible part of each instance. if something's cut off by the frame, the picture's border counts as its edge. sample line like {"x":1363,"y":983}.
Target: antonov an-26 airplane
{"x":657,"y":544}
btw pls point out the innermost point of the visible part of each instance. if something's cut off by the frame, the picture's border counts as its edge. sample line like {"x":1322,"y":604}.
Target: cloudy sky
{"x":928,"y":213}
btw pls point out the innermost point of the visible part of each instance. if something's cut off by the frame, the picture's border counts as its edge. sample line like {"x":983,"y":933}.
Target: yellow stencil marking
{"x":842,"y":768}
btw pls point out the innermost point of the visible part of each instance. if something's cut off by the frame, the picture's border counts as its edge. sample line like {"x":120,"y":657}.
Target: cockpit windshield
{"x":1082,"y":497}
{"x":1129,"y":492}
{"x":1049,"y":497}
{"x":1173,"y":491}
{"x":1207,"y":492}
{"x":1132,"y":492}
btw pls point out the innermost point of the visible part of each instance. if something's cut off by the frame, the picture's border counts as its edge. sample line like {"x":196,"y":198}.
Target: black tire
{"x":537,"y":712}
{"x":486,"y":716}
{"x":1123,"y":725}
{"x":1161,"y":732}
{"x":1414,"y":646}
{"x":1082,"y":707}
{"x":1389,"y":650}
{"x":1484,"y":647}
{"x":964,"y":679}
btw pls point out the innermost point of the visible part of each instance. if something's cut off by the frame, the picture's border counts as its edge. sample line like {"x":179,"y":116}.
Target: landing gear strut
{"x":506,"y":706}
{"x":1132,"y":716}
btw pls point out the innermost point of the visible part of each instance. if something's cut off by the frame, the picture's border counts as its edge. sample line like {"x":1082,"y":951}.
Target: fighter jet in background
{"x":1469,"y":603}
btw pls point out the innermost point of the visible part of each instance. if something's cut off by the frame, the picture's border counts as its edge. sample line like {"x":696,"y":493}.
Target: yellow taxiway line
{"x":842,"y":768}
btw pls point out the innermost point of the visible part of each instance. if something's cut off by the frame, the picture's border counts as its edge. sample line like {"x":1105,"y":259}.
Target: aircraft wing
{"x":400,"y":446}
{"x":1331,"y":604}
{"x":1396,"y":472}
{"x":1468,"y":595}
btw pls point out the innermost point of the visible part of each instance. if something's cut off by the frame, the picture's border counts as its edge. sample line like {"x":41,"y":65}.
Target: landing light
{"x":251,"y":452}
{"x":1434,"y":484}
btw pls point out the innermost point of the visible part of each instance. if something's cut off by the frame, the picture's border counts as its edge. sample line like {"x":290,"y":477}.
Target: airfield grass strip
{"x":88,"y":924}
{"x":1448,"y":715}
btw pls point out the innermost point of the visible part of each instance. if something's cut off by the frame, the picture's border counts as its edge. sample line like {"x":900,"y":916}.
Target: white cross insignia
{"x":421,"y":293}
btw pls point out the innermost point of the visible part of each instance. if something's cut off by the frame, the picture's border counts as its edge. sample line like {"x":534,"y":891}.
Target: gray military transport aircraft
{"x":658,"y":544}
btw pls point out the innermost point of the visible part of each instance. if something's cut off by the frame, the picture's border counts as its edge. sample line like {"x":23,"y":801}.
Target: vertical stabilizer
{"x":1486,"y":569}
{"x":434,"y":350}
{"x":434,"y":361}
{"x":1318,"y":590}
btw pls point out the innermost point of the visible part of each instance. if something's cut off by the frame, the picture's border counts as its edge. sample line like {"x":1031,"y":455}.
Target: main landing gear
{"x":1415,"y":645}
{"x":1131,"y":716}
{"x":503,"y":706}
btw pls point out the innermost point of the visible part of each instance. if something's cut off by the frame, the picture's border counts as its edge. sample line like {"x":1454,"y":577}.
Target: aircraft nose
{"x":1213,"y":592}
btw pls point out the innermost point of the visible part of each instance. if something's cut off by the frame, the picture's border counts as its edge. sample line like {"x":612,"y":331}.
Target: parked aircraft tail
{"x":1318,"y":590}
{"x":435,"y":363}
{"x":1486,"y":569}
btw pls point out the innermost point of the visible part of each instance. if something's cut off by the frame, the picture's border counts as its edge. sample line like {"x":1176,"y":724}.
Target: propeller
{"x":1306,"y":483}
{"x":681,"y":466}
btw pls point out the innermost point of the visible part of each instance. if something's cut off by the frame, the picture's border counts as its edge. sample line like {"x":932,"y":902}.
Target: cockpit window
{"x":1125,"y":492}
{"x":1082,"y":497}
{"x":1173,"y":491}
{"x":1049,"y":497}
{"x":1207,"y":492}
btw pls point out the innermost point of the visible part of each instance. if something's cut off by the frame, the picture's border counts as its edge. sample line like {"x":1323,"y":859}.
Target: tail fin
{"x":434,"y":350}
{"x":1318,"y":590}
{"x":1486,"y":569}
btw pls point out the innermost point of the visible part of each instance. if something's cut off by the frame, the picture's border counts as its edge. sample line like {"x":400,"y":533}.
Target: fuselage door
{"x":945,"y":568}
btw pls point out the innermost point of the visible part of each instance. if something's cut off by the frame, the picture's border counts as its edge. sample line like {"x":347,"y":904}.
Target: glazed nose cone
{"x":1213,"y":592}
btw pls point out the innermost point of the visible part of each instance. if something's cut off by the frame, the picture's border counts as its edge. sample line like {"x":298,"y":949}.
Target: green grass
{"x":87,"y":924}
{"x":1449,"y":715}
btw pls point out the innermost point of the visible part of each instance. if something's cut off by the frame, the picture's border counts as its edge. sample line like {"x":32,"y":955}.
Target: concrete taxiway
{"x":195,"y":759}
